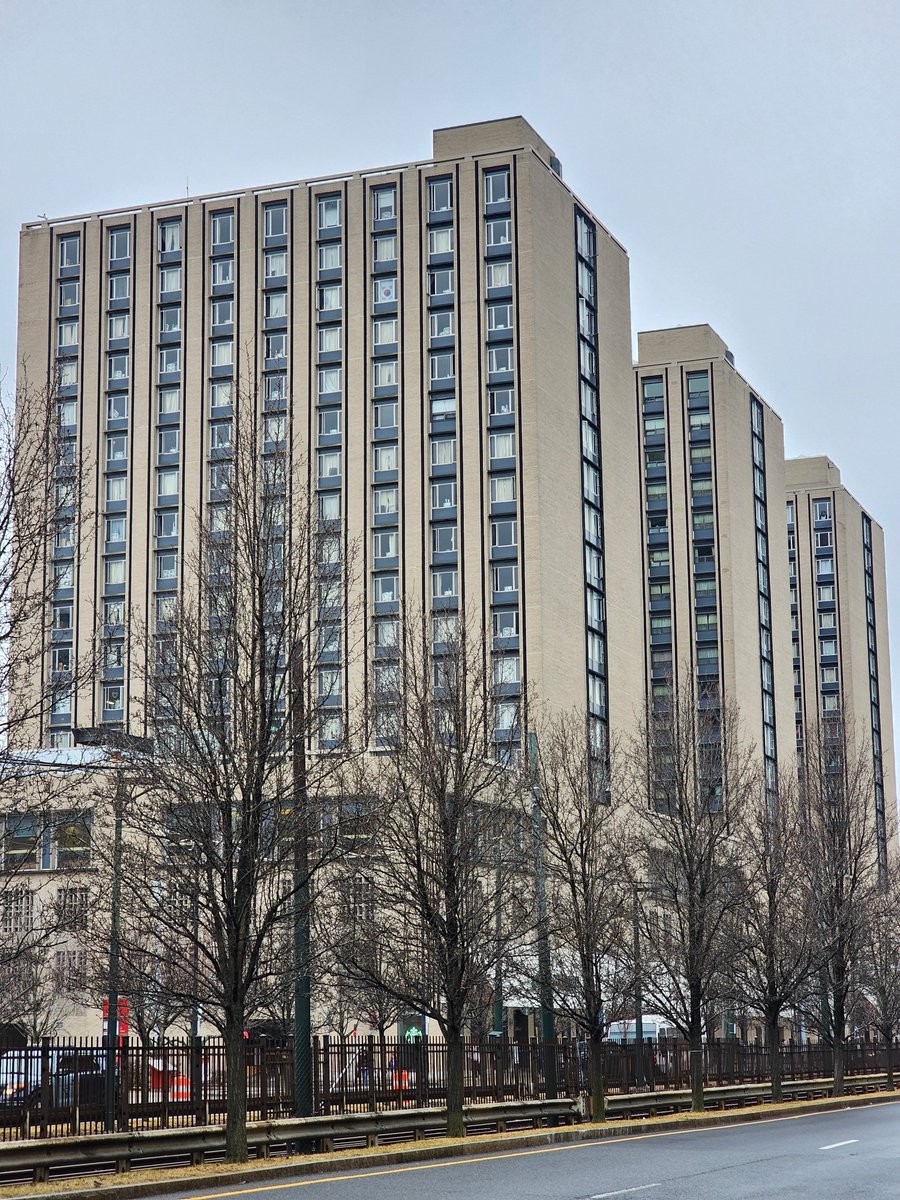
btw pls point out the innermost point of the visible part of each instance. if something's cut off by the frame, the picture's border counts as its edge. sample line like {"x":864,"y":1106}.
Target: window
{"x":385,"y":415}
{"x":825,"y":593}
{"x":170,"y":319}
{"x":275,"y":345}
{"x":167,"y":482}
{"x":329,"y":464}
{"x":219,"y":477}
{"x":828,"y":674}
{"x":117,"y":406}
{"x":441,"y":367}
{"x":496,"y":187}
{"x":440,"y":282}
{"x":275,"y":216}
{"x":275,"y":305}
{"x":828,"y":620}
{"x":222,"y":312}
{"x":505,"y":623}
{"x":821,"y":510}
{"x":330,"y":256}
{"x":385,"y":372}
{"x":222,"y":272}
{"x":440,"y":324}
{"x":64,"y":535}
{"x":116,"y":488}
{"x":384,"y":247}
{"x":385,"y":589}
{"x":275,"y":264}
{"x":443,"y":539}
{"x":112,"y":697}
{"x":61,"y":704}
{"x":68,"y":293}
{"x":169,"y":236}
{"x":498,"y":274}
{"x":170,"y":359}
{"x":443,"y":495}
{"x":384,"y":203}
{"x":329,"y":210}
{"x":500,"y":359}
{"x":384,"y":544}
{"x":385,"y":458}
{"x":63,"y":576}
{"x":116,"y":448}
{"x":384,"y":331}
{"x":499,"y":317}
{"x":505,"y":578}
{"x":503,"y":489}
{"x":384,"y":289}
{"x":167,"y":523}
{"x":66,"y":373}
{"x":444,"y":585}
{"x":167,"y":566}
{"x":502,"y":445}
{"x":117,"y":326}
{"x":329,"y":297}
{"x":117,"y":366}
{"x":220,"y":435}
{"x":440,"y":241}
{"x":823,"y":539}
{"x":222,"y":228}
{"x":498,"y":232}
{"x":698,"y":386}
{"x":114,"y":572}
{"x":504,"y":533}
{"x":443,"y":452}
{"x":221,"y":353}
{"x":440,"y":195}
{"x":220,"y":394}
{"x":329,"y":380}
{"x":387,"y":633}
{"x":69,"y":251}
{"x":329,"y":422}
{"x":67,"y":334}
{"x":274,"y":429}
{"x":329,"y":339}
{"x":384,"y":501}
{"x":442,"y":406}
{"x":61,"y":658}
{"x":825,"y":566}
{"x":170,"y":279}
{"x":119,"y":243}
{"x":169,"y":401}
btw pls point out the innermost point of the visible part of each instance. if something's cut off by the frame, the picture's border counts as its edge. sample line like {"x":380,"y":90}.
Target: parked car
{"x":20,"y":1078}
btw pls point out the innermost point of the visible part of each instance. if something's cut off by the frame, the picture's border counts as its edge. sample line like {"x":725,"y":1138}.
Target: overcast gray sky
{"x":746,"y":152}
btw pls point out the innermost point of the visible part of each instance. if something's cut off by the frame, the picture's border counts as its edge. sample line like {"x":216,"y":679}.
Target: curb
{"x":323,"y":1164}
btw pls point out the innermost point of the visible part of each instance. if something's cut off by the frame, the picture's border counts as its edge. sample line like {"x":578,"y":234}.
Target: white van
{"x":654,"y":1029}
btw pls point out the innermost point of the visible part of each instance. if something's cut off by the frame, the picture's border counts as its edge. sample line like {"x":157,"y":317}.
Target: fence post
{"x":371,"y":1081}
{"x":326,"y":1074}
{"x":124,"y":1084}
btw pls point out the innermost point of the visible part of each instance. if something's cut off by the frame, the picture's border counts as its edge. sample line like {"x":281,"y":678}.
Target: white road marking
{"x":834,"y":1145}
{"x":624,"y":1191}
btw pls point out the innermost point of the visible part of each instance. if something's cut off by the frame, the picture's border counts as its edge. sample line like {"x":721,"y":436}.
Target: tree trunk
{"x":598,"y":1086}
{"x":774,"y":1056}
{"x":695,"y":1047}
{"x":455,"y":1083}
{"x":838,"y":1089}
{"x":236,"y":1091}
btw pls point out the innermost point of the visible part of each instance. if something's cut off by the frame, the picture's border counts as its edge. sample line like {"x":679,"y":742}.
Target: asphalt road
{"x":854,"y":1153}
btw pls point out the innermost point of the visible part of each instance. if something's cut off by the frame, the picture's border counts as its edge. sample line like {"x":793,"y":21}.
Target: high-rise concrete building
{"x":715,"y":586}
{"x":446,"y":347}
{"x":839,"y":621}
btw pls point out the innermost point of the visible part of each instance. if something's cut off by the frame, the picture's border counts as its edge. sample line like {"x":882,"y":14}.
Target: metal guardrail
{"x":87,"y":1154}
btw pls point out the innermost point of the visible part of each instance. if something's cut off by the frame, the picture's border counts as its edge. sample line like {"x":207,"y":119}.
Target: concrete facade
{"x":841,"y":653}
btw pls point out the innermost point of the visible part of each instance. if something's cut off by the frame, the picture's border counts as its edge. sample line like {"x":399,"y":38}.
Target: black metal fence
{"x":58,"y":1088}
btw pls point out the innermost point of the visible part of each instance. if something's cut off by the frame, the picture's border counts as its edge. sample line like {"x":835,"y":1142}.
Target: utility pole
{"x":303,"y":1081}
{"x":638,"y":993}
{"x":498,"y":1024}
{"x":545,"y":976}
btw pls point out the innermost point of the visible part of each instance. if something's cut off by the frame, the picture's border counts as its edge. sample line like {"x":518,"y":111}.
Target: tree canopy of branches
{"x":224,"y":829}
{"x":443,"y":868}
{"x":837,"y":795}
{"x":777,"y":942}
{"x":687,"y":776}
{"x":586,"y":885}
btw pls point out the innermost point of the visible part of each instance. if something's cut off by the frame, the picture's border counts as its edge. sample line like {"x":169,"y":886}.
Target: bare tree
{"x":587,"y":887}
{"x":224,"y":831}
{"x":33,"y":994}
{"x":40,"y":506}
{"x":777,"y":940}
{"x":837,"y":793}
{"x":687,"y":776}
{"x":879,"y":968}
{"x":444,"y":864}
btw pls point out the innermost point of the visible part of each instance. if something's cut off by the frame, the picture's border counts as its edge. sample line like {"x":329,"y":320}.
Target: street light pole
{"x":638,"y":994}
{"x":545,"y":976}
{"x":498,"y":925}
